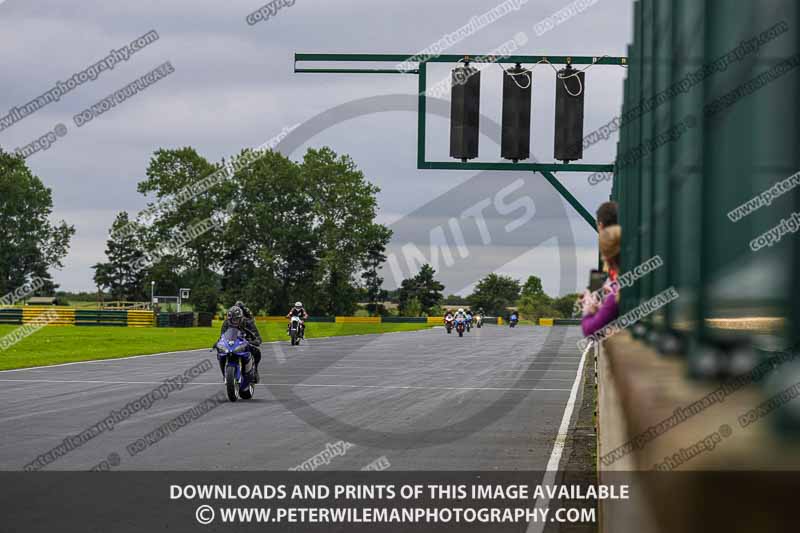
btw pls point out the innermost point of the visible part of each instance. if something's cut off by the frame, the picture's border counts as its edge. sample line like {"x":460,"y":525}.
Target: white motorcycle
{"x":296,"y":330}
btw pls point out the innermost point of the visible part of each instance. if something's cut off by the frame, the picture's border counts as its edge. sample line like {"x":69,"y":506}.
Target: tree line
{"x":495,"y":294}
{"x":273,"y":232}
{"x":283,"y":231}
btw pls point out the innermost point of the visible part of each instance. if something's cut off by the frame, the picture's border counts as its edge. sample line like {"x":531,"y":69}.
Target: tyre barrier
{"x":559,"y":321}
{"x":11,"y":316}
{"x":176,"y":320}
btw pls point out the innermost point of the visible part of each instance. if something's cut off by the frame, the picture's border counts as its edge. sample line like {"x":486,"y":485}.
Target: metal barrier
{"x":695,"y":144}
{"x":102,"y":318}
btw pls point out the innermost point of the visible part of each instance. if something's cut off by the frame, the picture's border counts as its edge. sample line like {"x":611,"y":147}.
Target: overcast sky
{"x":234,"y":87}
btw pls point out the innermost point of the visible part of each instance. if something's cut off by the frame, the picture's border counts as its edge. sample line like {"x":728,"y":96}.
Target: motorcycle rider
{"x":299,"y":311}
{"x":245,"y":310}
{"x":236,"y":318}
{"x":448,"y":317}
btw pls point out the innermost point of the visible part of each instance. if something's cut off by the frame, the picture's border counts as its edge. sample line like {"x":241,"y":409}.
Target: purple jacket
{"x":609,"y":310}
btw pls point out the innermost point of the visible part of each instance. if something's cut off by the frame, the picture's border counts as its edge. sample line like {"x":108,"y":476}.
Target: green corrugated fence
{"x":101,"y":318}
{"x":687,"y":158}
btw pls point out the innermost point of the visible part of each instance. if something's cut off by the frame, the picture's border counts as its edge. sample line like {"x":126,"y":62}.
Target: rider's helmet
{"x":298,"y":305}
{"x":461,"y":310}
{"x":235,"y":315}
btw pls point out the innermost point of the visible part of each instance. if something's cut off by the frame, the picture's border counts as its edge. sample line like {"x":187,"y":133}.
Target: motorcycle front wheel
{"x":231,"y":387}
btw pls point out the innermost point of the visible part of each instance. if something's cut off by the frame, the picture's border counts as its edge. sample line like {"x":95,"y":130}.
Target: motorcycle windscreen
{"x":231,"y":334}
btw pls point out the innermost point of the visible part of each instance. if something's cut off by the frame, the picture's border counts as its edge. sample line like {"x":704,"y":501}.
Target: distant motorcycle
{"x":461,"y":325}
{"x":478,"y":321}
{"x":469,"y":321}
{"x":448,"y":324}
{"x":296,"y":330}
{"x":234,"y":350}
{"x":512,"y":321}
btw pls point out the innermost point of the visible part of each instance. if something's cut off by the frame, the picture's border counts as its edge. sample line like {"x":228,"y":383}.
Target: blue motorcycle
{"x":513,"y":320}
{"x":234,"y":351}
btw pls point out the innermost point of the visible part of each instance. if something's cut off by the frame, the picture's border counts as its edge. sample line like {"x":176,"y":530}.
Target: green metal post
{"x":587,"y":216}
{"x":421,"y":109}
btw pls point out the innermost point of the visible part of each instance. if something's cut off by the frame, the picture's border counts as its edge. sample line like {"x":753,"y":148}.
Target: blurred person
{"x":606,"y":215}
{"x":596,"y":315}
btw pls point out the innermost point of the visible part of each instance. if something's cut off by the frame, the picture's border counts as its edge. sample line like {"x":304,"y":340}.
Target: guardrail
{"x":68,"y":316}
{"x":71,"y":316}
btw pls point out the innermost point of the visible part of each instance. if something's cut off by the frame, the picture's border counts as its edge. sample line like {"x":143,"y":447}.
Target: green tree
{"x":205,"y":295}
{"x":564,"y":305}
{"x":373,"y":282}
{"x":413,"y":307}
{"x":406,"y":293}
{"x":423,"y":289}
{"x":533,"y":287}
{"x":494,"y":293}
{"x":344,"y":210}
{"x":125,"y":273}
{"x":430,"y":290}
{"x":181,"y":227}
{"x":30,"y":245}
{"x":454,"y":299}
{"x":281,"y":232}
{"x":270,"y":256}
{"x":536,"y":307}
{"x":534,"y":303}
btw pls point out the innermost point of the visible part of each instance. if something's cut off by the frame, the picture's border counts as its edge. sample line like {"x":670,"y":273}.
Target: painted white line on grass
{"x":111,"y":360}
{"x":558,"y":445}
{"x":95,"y":361}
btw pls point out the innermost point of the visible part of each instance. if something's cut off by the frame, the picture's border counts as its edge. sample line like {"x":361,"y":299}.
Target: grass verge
{"x":53,"y":345}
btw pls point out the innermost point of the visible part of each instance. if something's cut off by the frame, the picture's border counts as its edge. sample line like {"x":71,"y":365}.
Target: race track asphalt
{"x":423,"y":400}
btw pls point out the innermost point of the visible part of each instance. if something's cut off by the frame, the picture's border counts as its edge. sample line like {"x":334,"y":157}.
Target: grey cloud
{"x":234,"y":87}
